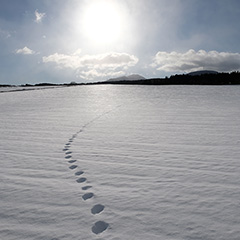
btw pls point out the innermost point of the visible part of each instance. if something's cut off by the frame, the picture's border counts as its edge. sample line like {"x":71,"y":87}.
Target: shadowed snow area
{"x":97,"y":209}
{"x":120,"y":162}
{"x":99,"y":227}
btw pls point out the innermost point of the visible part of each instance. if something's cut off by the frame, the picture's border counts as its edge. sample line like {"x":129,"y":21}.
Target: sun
{"x":102,"y":21}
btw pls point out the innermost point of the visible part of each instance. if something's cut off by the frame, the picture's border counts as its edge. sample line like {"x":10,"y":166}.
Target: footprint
{"x":72,"y":161}
{"x":65,"y":149}
{"x":87,"y":196}
{"x":99,"y":227}
{"x":73,"y":166}
{"x":97,"y":209}
{"x":68,"y":156}
{"x":78,"y":173}
{"x":68,"y":144}
{"x":81,"y":180}
{"x":86,"y":187}
{"x":68,"y":153}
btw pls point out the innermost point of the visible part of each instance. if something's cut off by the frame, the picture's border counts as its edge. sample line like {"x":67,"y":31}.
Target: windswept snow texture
{"x":120,"y":162}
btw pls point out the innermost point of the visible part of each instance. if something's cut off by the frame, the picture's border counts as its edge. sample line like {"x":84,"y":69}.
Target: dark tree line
{"x":185,"y":79}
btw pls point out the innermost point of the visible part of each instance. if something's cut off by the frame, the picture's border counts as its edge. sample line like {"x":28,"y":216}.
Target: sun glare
{"x":102,"y":22}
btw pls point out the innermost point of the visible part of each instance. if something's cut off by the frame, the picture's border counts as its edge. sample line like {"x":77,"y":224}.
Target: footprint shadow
{"x":87,"y":196}
{"x":67,"y":153}
{"x":81,"y":180}
{"x":78,"y":173}
{"x":72,"y":161}
{"x":86,"y":187}
{"x":99,"y":227}
{"x":73,"y":167}
{"x":98,"y":208}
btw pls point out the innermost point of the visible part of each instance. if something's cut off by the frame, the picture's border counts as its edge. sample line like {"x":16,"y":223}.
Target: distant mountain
{"x":197,"y":73}
{"x":132,"y":77}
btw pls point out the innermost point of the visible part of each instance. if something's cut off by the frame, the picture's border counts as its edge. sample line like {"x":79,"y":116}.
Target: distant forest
{"x":186,"y":79}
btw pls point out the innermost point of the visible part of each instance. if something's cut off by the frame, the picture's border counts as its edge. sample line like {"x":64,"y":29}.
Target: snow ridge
{"x":99,"y":226}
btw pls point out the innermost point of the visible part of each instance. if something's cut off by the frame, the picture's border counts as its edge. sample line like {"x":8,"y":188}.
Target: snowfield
{"x":120,"y":163}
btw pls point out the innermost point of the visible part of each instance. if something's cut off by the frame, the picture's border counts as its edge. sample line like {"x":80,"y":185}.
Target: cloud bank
{"x":195,"y":61}
{"x":25,"y":51}
{"x":92,"y":66}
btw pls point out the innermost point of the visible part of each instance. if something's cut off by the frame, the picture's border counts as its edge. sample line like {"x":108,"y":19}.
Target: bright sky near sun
{"x":90,"y":40}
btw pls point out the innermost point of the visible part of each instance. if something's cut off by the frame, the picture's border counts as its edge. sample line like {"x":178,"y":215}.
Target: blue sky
{"x":61,"y":41}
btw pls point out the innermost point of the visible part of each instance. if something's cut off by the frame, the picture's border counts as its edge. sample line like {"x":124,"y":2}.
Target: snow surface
{"x":120,"y":162}
{"x":26,"y":88}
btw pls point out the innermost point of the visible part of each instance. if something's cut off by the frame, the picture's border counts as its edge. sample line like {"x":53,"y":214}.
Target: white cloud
{"x":91,"y":66}
{"x":93,"y":73}
{"x":110,"y":60}
{"x":77,"y":52}
{"x":64,"y":61}
{"x":194,"y":61}
{"x":25,"y":51}
{"x":39,"y":16}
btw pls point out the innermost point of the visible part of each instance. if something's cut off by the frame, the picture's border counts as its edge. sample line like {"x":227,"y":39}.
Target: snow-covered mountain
{"x":131,"y":77}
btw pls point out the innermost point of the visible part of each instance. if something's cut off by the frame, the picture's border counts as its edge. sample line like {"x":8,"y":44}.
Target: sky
{"x":63,"y":41}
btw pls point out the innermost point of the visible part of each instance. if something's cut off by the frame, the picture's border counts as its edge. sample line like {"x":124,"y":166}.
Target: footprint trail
{"x":99,"y":226}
